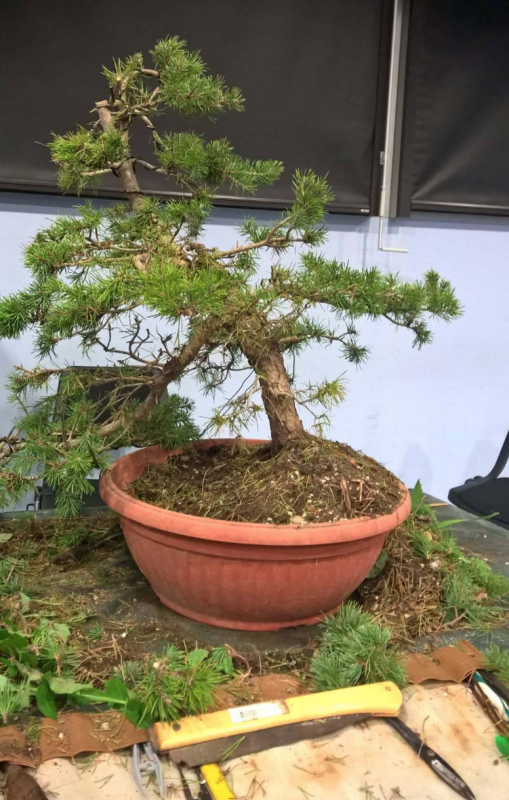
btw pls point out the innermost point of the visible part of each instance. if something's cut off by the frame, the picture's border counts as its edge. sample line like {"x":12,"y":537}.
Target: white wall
{"x":439,"y":414}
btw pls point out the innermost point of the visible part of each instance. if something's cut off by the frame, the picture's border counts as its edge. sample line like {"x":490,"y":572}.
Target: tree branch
{"x":151,"y":167}
{"x":254,"y":245}
{"x":395,"y":322}
{"x":150,"y":125}
{"x":172,"y":370}
{"x":295,"y":339}
{"x":101,"y":171}
{"x":126,"y":170}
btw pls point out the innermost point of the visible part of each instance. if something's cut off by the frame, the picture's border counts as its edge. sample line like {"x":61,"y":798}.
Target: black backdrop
{"x":456,"y":135}
{"x":313,"y":74}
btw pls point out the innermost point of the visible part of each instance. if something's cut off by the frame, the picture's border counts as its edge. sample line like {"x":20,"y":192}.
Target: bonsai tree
{"x":134,"y":280}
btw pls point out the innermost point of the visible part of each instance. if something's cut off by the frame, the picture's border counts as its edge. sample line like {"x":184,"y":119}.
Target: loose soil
{"x":114,"y":616}
{"x":81,"y":573}
{"x":407,"y":596}
{"x":96,"y":588}
{"x":317,"y":481}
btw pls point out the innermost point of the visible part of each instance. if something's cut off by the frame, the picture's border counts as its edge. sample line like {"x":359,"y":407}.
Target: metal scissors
{"x":435,"y":762}
{"x":203,"y":792}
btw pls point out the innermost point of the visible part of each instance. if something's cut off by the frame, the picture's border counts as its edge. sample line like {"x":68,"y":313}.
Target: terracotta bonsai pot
{"x":243,"y":575}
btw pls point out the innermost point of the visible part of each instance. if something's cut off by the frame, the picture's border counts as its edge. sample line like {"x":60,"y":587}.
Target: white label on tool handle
{"x":257,"y":711}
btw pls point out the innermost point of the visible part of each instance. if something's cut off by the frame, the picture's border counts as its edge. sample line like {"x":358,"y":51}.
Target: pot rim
{"x":252,"y":533}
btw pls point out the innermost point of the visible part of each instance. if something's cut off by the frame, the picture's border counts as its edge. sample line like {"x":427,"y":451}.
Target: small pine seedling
{"x":353,"y":650}
{"x":496,"y":659}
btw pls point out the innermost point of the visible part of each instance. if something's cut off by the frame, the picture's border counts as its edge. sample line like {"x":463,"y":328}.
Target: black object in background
{"x":98,"y":393}
{"x":455,"y":153}
{"x":314,"y":76}
{"x":488,"y":495}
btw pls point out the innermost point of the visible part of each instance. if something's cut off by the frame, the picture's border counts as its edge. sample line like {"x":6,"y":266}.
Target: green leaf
{"x":62,"y":629}
{"x":91,"y":695}
{"x":417,"y":496}
{"x":379,"y":565}
{"x":445,"y":523}
{"x":10,"y":668}
{"x":3,"y":681}
{"x":32,"y":674}
{"x":116,"y":691}
{"x":223,"y":661}
{"x":25,"y":600}
{"x":134,"y":711}
{"x":29,"y":658}
{"x":66,"y":685}
{"x":45,"y":700}
{"x":4,"y":537}
{"x":195,"y":657}
{"x":24,"y":696}
{"x":13,"y":642}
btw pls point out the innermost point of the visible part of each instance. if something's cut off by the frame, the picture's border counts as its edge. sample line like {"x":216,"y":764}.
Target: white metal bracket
{"x":387,"y":158}
{"x":380,"y":240}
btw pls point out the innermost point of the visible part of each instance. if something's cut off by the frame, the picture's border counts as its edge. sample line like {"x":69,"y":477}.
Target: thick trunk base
{"x":278,"y":400}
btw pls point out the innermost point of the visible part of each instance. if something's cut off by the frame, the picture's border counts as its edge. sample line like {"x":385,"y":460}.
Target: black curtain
{"x":310,"y":73}
{"x":456,"y":137}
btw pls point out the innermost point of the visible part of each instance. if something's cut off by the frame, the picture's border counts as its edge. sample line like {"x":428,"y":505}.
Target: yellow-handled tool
{"x":375,"y":699}
{"x":216,"y":782}
{"x":204,"y":740}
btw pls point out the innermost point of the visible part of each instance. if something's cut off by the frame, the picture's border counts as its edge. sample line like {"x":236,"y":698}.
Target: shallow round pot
{"x":243,"y":575}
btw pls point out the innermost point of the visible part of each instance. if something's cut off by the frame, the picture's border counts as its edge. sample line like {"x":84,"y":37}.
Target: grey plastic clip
{"x":150,"y":764}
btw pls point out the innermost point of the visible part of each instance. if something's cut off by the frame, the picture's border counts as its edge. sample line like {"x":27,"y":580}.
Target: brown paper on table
{"x":69,"y":735}
{"x":453,"y":663}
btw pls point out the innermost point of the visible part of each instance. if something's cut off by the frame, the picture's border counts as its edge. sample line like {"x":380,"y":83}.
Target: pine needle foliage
{"x":12,"y":698}
{"x":134,"y":282}
{"x":355,"y":650}
{"x":496,"y":659}
{"x":176,"y":683}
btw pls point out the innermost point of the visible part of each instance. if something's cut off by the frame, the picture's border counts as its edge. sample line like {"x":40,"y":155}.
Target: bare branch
{"x":101,"y":171}
{"x":172,"y":370}
{"x":150,"y":125}
{"x":395,"y":321}
{"x":151,"y":167}
{"x":254,"y":245}
{"x":296,"y":339}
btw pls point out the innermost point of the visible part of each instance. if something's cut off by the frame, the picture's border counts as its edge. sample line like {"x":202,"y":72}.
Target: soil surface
{"x":407,"y":594}
{"x":317,"y":481}
{"x":80,"y":572}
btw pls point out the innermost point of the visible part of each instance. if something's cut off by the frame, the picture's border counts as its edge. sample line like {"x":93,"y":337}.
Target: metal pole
{"x":388,"y":154}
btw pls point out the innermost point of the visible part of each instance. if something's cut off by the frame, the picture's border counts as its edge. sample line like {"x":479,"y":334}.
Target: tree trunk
{"x":126,"y":171}
{"x":277,"y":396}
